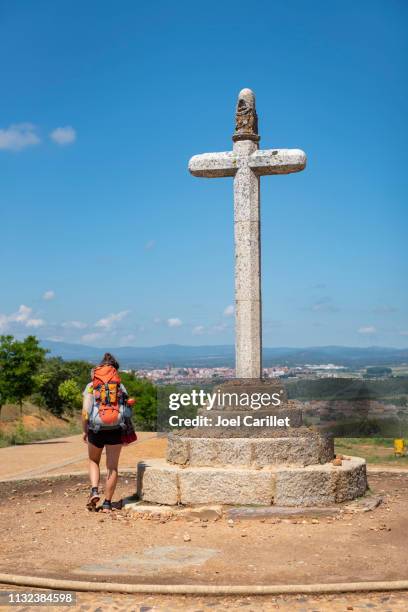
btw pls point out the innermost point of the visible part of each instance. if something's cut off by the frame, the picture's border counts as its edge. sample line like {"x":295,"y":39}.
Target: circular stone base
{"x":315,"y":485}
{"x":300,"y":450}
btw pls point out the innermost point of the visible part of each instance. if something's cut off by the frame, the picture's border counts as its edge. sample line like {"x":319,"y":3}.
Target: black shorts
{"x":105,"y":436}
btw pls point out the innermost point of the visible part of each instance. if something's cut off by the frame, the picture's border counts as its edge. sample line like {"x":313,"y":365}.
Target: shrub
{"x":70,"y":394}
{"x":19,"y":435}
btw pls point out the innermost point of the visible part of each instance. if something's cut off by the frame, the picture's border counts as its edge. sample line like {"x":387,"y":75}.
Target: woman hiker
{"x":106,"y":422}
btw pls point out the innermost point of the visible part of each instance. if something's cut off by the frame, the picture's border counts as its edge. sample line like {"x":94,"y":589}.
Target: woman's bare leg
{"x":94,"y":454}
{"x":112,"y":462}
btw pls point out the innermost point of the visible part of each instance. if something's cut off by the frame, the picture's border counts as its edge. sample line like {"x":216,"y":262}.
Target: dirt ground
{"x":45,"y":530}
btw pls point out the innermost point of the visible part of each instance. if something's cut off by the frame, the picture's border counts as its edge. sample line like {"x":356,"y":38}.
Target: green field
{"x":374,"y":450}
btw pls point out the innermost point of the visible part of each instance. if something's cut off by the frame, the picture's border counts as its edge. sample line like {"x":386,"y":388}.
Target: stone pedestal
{"x":289,"y":466}
{"x":314,"y":485}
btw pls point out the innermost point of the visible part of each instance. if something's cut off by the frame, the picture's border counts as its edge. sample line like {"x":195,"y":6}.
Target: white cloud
{"x":63,"y":135}
{"x":219,"y":328}
{"x":91,"y":337}
{"x":48,"y":295}
{"x":368,"y":329}
{"x":175,"y":322}
{"x":18,"y":137}
{"x":35,"y":323}
{"x":229,"y":311}
{"x":157,"y":320}
{"x":74,"y":325}
{"x":198,"y":330}
{"x":110,"y":320}
{"x":23,"y":316}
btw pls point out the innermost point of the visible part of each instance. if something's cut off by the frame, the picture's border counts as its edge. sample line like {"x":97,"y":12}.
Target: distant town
{"x":167,"y":361}
{"x":326,"y":370}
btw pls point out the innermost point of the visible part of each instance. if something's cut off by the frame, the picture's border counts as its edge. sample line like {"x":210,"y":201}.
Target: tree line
{"x":27,"y":373}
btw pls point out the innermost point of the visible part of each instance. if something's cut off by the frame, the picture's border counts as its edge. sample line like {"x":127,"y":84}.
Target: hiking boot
{"x":94,"y":497}
{"x":106,"y":506}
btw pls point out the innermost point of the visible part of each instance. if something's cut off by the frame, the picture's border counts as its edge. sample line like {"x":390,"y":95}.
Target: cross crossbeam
{"x":227,"y":163}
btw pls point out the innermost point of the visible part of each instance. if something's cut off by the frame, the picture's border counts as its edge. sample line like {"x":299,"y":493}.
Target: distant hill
{"x":223,"y":355}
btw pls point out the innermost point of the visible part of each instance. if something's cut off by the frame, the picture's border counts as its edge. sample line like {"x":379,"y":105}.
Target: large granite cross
{"x":246,"y":163}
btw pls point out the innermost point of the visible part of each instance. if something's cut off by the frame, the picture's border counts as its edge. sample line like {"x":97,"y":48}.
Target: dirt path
{"x":68,"y":455}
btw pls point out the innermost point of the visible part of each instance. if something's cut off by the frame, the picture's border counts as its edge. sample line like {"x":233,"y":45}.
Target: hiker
{"x":106,"y":422}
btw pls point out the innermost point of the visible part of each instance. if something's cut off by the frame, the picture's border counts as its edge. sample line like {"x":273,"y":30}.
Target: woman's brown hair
{"x":109,"y":359}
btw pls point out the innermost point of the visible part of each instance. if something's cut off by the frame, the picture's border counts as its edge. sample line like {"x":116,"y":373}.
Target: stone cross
{"x":246,"y":163}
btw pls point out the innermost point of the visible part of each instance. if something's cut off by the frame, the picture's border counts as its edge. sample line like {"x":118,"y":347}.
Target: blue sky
{"x":105,"y":237}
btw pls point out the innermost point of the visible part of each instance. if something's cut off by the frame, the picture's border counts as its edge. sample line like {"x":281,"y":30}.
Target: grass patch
{"x":21,"y":435}
{"x":392,"y":459}
{"x":373,"y":450}
{"x":375,"y":441}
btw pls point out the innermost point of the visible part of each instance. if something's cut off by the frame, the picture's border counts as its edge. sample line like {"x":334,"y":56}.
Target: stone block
{"x":292,"y":451}
{"x":178,"y":450}
{"x":326,"y":448}
{"x":220,"y":452}
{"x":351,"y":483}
{"x":150,"y":510}
{"x":226,"y":486}
{"x":321,"y":485}
{"x":157,"y":482}
{"x":275,"y":451}
{"x":297,"y":487}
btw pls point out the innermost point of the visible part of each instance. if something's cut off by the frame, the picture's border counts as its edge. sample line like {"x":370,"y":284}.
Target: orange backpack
{"x":108,"y":398}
